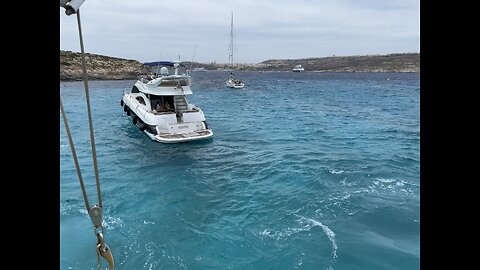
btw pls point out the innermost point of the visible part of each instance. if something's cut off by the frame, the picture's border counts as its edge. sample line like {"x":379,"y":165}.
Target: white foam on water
{"x":330,"y":234}
{"x":149,"y":262}
{"x":148,"y":222}
{"x":386,"y":180}
{"x":393,"y":185}
{"x":83,"y":212}
{"x":310,"y":223}
{"x":299,"y":261}
{"x":66,"y":208}
{"x":347,"y":184}
{"x":265,"y":232}
{"x":333,"y":171}
{"x":112,"y":222}
{"x":108,"y":221}
{"x":280,"y":235}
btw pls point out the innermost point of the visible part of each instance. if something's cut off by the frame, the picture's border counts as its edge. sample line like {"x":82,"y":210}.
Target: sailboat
{"x":233,"y":81}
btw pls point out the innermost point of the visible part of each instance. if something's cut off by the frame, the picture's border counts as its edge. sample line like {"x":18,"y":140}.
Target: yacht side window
{"x":141,"y":100}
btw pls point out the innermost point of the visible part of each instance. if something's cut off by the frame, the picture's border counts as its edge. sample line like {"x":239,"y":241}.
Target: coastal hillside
{"x":398,"y":62}
{"x":401,"y":62}
{"x":99,"y":67}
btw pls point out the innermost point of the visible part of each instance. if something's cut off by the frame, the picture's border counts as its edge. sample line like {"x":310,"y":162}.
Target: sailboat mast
{"x":230,"y":57}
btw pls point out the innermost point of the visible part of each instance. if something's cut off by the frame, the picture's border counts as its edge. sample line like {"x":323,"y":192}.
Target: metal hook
{"x":104,"y":251}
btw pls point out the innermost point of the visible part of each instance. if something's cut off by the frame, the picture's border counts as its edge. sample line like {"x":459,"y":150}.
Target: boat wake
{"x":307,"y":225}
{"x":310,"y":223}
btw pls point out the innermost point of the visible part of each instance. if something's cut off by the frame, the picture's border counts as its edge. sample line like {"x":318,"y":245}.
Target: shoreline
{"x":100,"y":67}
{"x":80,"y":79}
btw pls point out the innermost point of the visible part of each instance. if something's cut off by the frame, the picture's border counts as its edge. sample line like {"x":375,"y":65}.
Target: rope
{"x":95,"y":212}
{"x":74,"y":154}
{"x":92,"y":138}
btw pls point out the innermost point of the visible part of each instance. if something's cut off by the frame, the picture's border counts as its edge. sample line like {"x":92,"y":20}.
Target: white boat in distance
{"x":159,"y":107}
{"x":233,"y":82}
{"x":298,"y":68}
{"x":199,"y":69}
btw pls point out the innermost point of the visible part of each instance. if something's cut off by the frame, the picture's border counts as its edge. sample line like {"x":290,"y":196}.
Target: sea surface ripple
{"x":305,"y":171}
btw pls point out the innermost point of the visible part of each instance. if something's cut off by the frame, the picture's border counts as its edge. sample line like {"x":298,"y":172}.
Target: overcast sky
{"x":146,"y":30}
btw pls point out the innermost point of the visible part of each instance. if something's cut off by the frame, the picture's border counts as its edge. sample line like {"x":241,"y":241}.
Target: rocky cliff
{"x":99,"y":67}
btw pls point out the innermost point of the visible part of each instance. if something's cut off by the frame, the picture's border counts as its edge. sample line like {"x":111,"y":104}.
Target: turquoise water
{"x":305,"y":171}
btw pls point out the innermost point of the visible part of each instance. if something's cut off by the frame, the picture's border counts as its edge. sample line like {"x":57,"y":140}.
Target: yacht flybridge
{"x":158,"y":105}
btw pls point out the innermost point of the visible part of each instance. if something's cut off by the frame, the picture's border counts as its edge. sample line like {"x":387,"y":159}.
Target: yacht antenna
{"x":159,"y":59}
{"x":193,"y":57}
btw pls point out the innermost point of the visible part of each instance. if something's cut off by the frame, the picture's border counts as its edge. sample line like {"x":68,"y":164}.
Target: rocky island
{"x":101,"y":67}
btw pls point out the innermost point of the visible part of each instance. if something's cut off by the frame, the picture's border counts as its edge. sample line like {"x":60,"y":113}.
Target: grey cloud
{"x":263,"y":28}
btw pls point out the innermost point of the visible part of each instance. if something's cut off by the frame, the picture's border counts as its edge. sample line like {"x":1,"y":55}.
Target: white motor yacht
{"x":298,"y":68}
{"x":158,"y":105}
